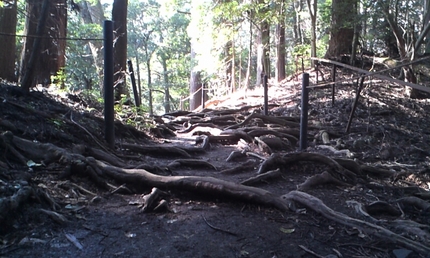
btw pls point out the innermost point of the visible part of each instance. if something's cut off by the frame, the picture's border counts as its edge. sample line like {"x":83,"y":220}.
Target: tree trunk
{"x":312,"y":6}
{"x":228,"y":48}
{"x":263,"y":61}
{"x":93,"y":14}
{"x":426,"y":20}
{"x":297,"y":29}
{"x":195,"y":83}
{"x":265,"y":38}
{"x":233,"y":69}
{"x":248,"y":68}
{"x":342,"y":30}
{"x":148,"y":69}
{"x":166,"y":86}
{"x":404,"y":55}
{"x":8,"y":20}
{"x":139,"y":84}
{"x":58,"y":24}
{"x":354,"y":45}
{"x":119,"y":17}
{"x":43,"y":56}
{"x":280,"y":60}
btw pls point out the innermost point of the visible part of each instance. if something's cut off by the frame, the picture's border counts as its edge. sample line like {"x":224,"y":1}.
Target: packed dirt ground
{"x":226,"y":181}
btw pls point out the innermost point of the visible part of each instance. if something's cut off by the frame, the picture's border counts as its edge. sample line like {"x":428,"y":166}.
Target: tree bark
{"x":166,"y":85}
{"x":297,"y":29}
{"x":312,"y":6}
{"x":248,"y":68}
{"x":426,"y":20}
{"x":280,"y":47}
{"x":119,"y":17}
{"x":195,"y":83}
{"x":44,"y":55}
{"x":342,"y":30}
{"x":8,"y":21}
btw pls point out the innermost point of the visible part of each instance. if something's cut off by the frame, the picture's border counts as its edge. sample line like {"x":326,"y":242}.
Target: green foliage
{"x":60,"y":78}
{"x":162,"y":31}
{"x":302,"y":50}
{"x":324,"y":11}
{"x":80,"y":69}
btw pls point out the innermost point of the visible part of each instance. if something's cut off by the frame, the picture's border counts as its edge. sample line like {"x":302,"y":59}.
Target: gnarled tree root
{"x":339,"y":172}
{"x":318,"y":206}
{"x":207,"y":185}
{"x":9,"y":204}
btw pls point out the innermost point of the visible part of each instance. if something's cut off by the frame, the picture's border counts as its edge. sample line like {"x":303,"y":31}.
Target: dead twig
{"x":218,"y":229}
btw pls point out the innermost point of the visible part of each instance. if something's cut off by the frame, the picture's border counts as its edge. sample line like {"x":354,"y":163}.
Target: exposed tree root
{"x":261,"y":132}
{"x":230,"y":137}
{"x":156,"y":150}
{"x":267,"y":119}
{"x":99,"y":171}
{"x":9,"y":204}
{"x":248,"y":165}
{"x":99,"y":154}
{"x":207,"y":185}
{"x":415,"y":202}
{"x":318,"y":206}
{"x":191,"y":163}
{"x":339,"y":172}
{"x":191,"y":127}
{"x":261,"y":177}
{"x":323,"y":178}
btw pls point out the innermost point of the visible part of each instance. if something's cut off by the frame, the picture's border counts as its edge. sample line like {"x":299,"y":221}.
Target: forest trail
{"x":226,"y":181}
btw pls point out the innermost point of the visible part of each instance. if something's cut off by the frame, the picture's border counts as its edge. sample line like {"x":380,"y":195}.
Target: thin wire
{"x":31,"y":36}
{"x":369,"y":74}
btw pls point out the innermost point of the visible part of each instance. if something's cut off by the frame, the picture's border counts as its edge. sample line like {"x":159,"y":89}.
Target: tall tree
{"x":263,"y":40}
{"x":43,"y":53}
{"x":143,"y":26}
{"x":312,"y":7}
{"x":119,"y":17}
{"x":195,"y":82}
{"x":280,"y":44}
{"x":343,"y":16}
{"x":426,"y":22}
{"x":249,"y":16}
{"x":92,"y":14}
{"x":8,"y":21}
{"x":297,"y":28}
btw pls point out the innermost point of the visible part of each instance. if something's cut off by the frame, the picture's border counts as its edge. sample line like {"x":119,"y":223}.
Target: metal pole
{"x":354,"y":106}
{"x":333,"y":79}
{"x":304,"y":114}
{"x":108,"y":83}
{"x":133,"y":83}
{"x":203,"y":96}
{"x":266,"y":97}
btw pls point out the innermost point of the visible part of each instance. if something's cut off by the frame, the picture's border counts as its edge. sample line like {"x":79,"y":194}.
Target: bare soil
{"x":73,"y":214}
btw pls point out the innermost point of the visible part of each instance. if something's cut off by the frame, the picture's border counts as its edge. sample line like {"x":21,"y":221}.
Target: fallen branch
{"x":218,"y":229}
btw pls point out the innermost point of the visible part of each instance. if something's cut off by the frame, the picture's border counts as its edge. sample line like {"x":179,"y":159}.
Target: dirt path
{"x":71,"y":206}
